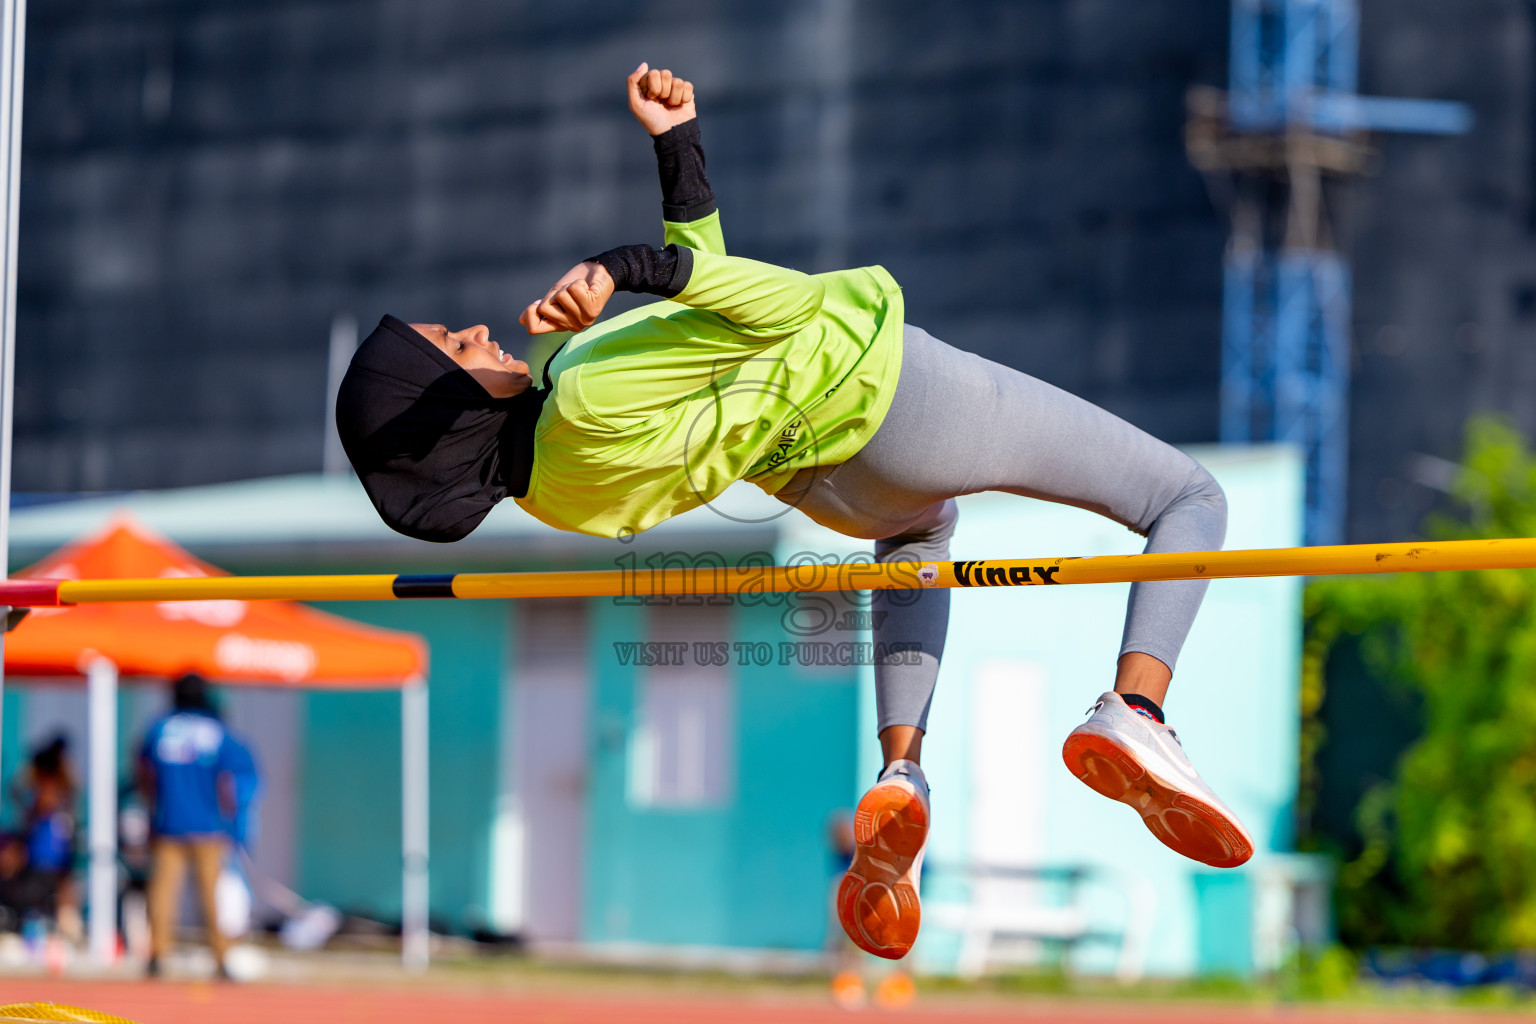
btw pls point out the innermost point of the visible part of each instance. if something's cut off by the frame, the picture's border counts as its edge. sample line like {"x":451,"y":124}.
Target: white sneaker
{"x":877,"y":902}
{"x":1137,"y":760}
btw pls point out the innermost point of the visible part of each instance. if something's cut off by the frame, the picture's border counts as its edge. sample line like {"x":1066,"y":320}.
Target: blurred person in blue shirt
{"x":198,"y":783}
{"x":46,"y":792}
{"x":24,"y":893}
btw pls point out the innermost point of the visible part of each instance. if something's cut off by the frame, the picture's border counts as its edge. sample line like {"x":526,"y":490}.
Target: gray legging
{"x":960,"y":424}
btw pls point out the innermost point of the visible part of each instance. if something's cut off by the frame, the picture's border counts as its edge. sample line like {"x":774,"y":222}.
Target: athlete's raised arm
{"x":766,"y":302}
{"x":663,"y":104}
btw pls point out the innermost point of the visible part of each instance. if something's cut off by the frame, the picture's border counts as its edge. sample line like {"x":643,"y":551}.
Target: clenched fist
{"x":659,"y":100}
{"x":573,"y":304}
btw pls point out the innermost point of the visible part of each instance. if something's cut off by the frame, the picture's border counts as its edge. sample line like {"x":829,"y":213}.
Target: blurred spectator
{"x":197,"y":781}
{"x":24,"y":893}
{"x":45,"y":790}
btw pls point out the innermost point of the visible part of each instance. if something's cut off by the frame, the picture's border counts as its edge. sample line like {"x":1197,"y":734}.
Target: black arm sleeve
{"x":685,"y":191}
{"x":643,"y":268}
{"x":685,"y":196}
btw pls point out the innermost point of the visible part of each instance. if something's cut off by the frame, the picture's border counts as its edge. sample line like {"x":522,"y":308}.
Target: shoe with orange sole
{"x":1126,"y":756}
{"x":877,"y":902}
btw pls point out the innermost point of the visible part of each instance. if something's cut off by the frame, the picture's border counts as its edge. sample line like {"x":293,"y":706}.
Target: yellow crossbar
{"x":680,"y":575}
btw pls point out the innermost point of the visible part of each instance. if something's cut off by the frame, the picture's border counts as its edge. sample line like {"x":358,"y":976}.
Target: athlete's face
{"x":473,"y":349}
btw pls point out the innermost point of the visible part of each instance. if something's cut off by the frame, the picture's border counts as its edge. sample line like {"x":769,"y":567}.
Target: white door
{"x":1010,"y":754}
{"x":269,"y":722}
{"x":551,"y":687}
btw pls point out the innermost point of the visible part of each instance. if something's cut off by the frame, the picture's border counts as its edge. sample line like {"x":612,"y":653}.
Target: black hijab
{"x":433,"y":449}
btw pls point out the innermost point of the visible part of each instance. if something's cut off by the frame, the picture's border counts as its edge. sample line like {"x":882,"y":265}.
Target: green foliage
{"x":1328,"y":974}
{"x":1450,"y":843}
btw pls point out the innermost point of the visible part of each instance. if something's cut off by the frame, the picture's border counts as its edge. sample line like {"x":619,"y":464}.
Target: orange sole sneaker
{"x":877,"y":902}
{"x":1181,"y":820}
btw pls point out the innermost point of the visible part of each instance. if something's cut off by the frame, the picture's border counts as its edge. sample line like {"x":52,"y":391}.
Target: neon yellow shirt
{"x":753,"y":372}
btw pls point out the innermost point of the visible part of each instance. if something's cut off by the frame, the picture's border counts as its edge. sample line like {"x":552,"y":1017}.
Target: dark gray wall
{"x":208,"y":183}
{"x":1444,"y":246}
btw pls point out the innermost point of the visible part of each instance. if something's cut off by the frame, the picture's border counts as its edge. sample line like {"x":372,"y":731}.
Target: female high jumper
{"x":815,"y":389}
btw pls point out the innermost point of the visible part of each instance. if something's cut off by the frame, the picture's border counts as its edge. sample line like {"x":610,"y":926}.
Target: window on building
{"x":552,"y":631}
{"x":683,"y":747}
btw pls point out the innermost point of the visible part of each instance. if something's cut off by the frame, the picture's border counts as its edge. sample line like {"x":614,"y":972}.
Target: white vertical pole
{"x":343,"y":344}
{"x":101,"y":794}
{"x":13,"y":22}
{"x":414,"y":896}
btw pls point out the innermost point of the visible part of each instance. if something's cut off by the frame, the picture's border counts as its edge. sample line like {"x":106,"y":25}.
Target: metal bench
{"x":1013,"y":905}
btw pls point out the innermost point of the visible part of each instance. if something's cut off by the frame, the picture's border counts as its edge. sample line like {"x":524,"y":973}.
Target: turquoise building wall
{"x":12,"y":707}
{"x":752,"y":872}
{"x":349,"y":804}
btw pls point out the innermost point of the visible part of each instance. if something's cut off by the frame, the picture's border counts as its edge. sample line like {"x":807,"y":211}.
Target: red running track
{"x":205,"y":1003}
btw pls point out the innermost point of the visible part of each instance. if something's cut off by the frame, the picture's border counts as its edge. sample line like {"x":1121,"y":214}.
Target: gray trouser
{"x":959,"y":424}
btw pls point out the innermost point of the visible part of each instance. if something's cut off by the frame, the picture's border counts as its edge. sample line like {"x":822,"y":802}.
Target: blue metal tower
{"x":1291,"y":120}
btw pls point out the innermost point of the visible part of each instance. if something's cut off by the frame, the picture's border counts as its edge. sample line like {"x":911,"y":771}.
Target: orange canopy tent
{"x":265,"y":643}
{"x":268,"y":642}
